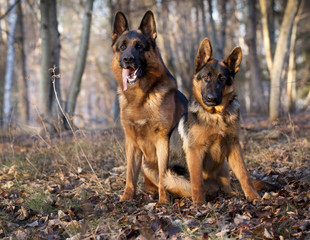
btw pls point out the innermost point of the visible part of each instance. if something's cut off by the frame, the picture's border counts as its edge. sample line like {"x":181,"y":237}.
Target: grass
{"x":40,"y":202}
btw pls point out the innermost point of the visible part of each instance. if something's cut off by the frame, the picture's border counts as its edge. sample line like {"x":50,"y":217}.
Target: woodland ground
{"x":49,"y":191}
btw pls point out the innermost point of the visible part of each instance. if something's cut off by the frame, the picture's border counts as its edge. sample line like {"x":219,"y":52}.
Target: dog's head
{"x":131,"y":46}
{"x":214,"y":78}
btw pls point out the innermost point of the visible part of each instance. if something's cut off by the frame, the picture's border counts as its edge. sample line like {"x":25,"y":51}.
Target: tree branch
{"x":10,"y":9}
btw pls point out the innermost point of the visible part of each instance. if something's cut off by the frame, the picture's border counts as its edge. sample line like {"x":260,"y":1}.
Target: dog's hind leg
{"x":150,"y":178}
{"x":223,"y":178}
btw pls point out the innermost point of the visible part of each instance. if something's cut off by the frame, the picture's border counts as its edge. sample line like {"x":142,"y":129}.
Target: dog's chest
{"x":141,"y":121}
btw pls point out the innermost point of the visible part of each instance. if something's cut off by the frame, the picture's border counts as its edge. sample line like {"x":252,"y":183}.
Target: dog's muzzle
{"x":130,"y":75}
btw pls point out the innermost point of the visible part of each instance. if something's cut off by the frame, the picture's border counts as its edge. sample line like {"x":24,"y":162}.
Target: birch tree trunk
{"x":258,"y":103}
{"x":80,"y":60}
{"x":22,"y":65}
{"x":8,"y":79}
{"x":279,"y":57}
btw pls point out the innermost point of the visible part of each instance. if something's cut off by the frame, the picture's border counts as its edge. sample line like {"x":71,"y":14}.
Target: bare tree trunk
{"x":266,"y":37}
{"x":203,"y":19}
{"x":50,"y":60}
{"x":46,"y":62}
{"x":3,"y":50}
{"x":80,"y":61}
{"x":8,"y":80}
{"x":291,"y":75}
{"x":213,"y":29}
{"x":55,"y":56}
{"x":165,"y":25}
{"x":281,"y":49}
{"x":307,"y":103}
{"x":271,"y":25}
{"x":258,"y":103}
{"x":223,"y":16}
{"x":197,"y":25}
{"x":22,"y":79}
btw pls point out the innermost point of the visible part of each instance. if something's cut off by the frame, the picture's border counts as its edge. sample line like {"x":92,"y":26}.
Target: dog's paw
{"x":253,"y":197}
{"x":128,"y":195}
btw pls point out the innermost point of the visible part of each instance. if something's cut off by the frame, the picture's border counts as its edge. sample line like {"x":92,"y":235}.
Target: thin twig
{"x":9,"y":9}
{"x":70,"y":125}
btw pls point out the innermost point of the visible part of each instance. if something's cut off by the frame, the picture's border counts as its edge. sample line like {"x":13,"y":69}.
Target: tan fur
{"x":148,"y":112}
{"x":177,"y":185}
{"x":214,"y":137}
{"x":220,"y":143}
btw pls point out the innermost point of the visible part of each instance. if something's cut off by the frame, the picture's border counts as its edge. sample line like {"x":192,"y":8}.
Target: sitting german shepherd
{"x":209,"y":132}
{"x":150,"y":104}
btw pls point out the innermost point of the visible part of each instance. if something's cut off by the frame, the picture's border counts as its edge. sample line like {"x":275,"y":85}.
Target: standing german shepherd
{"x":149,"y":100}
{"x":208,"y":133}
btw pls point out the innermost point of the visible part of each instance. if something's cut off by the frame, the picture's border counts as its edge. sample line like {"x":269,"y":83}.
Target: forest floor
{"x":69,"y":188}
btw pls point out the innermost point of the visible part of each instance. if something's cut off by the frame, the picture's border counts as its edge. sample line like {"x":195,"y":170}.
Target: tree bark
{"x":279,"y":58}
{"x":50,"y":56}
{"x":46,"y":63}
{"x":203,"y":19}
{"x":3,"y":50}
{"x":258,"y":103}
{"x":22,"y":79}
{"x":55,"y":61}
{"x":79,"y":67}
{"x":223,"y":16}
{"x":307,"y":103}
{"x":271,"y":25}
{"x":291,"y":75}
{"x":266,"y":37}
{"x":8,"y":79}
{"x":213,"y":29}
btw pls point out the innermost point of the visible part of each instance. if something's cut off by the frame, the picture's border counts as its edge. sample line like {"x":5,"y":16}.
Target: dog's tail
{"x":177,"y":184}
{"x":261,"y":185}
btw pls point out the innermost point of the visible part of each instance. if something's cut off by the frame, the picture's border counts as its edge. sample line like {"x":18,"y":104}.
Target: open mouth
{"x":130,"y":75}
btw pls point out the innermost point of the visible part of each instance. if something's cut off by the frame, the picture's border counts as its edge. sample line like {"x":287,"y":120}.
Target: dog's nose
{"x":211,"y":98}
{"x":128,"y":58}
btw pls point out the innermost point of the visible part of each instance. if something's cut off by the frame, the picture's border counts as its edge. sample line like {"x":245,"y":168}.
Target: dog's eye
{"x":207,"y":78}
{"x":123,"y":46}
{"x":139,"y":46}
{"x":221,"y":78}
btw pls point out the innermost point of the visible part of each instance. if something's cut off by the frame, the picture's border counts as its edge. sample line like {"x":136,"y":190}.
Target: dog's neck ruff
{"x":230,"y":112}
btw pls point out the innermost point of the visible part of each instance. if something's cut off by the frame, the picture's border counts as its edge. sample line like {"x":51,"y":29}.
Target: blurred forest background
{"x":75,"y":37}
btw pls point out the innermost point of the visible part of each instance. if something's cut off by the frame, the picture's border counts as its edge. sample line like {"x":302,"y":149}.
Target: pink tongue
{"x":125,"y":74}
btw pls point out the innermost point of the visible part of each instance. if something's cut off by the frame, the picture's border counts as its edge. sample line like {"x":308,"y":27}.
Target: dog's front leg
{"x":134,"y":157}
{"x":237,"y":165}
{"x":162,"y":157}
{"x":194,"y":162}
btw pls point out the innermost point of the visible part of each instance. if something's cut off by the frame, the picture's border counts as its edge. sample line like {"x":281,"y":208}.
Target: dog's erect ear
{"x":204,"y":54}
{"x":120,"y":25}
{"x":234,"y":59}
{"x":148,"y":25}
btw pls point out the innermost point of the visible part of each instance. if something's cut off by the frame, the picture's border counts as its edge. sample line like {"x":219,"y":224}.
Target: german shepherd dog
{"x":208,"y":134}
{"x":150,"y":104}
